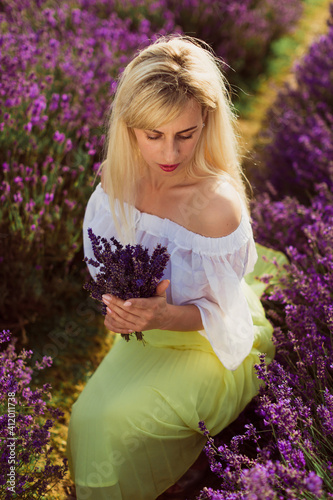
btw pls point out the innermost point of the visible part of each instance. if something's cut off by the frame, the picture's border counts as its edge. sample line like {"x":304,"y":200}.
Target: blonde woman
{"x":171,"y":176}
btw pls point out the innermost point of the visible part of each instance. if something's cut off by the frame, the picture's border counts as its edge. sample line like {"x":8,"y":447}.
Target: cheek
{"x":148,"y":150}
{"x":191,"y":148}
{"x":145,"y":148}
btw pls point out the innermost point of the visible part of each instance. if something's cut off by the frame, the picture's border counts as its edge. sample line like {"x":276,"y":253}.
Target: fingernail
{"x":108,"y":310}
{"x":106,"y":298}
{"x":127,"y":303}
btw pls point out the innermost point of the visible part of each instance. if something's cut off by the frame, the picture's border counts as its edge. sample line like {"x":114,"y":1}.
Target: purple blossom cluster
{"x":298,"y":133}
{"x":59,"y":64}
{"x":25,"y":454}
{"x":125,"y":272}
{"x":287,"y":448}
{"x":241,"y":32}
{"x":260,"y":477}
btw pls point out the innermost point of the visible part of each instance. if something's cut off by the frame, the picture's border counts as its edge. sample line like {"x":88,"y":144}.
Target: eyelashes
{"x":180,"y":137}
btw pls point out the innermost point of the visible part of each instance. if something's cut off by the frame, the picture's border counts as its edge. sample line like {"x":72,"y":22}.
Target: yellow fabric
{"x":134,"y":429}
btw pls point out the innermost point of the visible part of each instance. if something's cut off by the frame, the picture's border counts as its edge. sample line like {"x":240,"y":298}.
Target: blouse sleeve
{"x":216,"y":286}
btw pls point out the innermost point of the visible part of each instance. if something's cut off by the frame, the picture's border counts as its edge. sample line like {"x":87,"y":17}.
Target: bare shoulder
{"x":221,"y":213}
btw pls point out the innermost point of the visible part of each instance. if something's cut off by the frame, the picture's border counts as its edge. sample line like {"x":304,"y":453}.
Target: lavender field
{"x":59,"y":66}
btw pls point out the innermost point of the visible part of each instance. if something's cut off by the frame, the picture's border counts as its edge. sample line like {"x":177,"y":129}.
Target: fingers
{"x":111,"y":299}
{"x":136,"y":314}
{"x":122,"y":309}
{"x":131,"y":305}
{"x":138,"y":306}
{"x":161,"y":287}
{"x":116,"y":324}
{"x":119,"y":317}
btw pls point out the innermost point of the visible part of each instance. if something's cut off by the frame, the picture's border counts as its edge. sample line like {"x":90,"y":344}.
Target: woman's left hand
{"x":137,"y":315}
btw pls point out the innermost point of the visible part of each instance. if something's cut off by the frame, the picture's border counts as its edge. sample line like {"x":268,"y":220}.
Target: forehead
{"x":188,"y":117}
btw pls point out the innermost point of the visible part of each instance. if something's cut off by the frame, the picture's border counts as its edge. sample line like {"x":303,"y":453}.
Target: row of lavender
{"x":59,"y":65}
{"x":27,"y":469}
{"x":288,"y":453}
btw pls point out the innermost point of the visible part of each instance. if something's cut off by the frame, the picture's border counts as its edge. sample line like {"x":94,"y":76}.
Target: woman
{"x":171,"y":176}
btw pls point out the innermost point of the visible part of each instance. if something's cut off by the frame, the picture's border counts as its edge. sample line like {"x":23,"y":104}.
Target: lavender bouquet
{"x":126,"y":272}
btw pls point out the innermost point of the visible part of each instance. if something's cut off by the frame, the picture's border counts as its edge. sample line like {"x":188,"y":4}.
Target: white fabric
{"x":207,"y":272}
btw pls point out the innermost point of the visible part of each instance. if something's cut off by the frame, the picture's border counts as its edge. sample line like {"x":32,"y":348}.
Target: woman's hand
{"x":137,"y":315}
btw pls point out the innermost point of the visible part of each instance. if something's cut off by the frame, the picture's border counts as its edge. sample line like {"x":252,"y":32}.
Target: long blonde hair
{"x":153,"y":90}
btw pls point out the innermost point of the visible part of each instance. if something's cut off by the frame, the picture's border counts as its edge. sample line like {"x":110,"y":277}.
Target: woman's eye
{"x":181,"y":137}
{"x":184,"y":137}
{"x":153,"y":138}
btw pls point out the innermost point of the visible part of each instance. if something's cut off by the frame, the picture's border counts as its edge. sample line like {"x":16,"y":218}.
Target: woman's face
{"x":169,"y":148}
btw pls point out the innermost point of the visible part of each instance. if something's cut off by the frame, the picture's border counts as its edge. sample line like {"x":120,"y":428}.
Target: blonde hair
{"x":153,"y":90}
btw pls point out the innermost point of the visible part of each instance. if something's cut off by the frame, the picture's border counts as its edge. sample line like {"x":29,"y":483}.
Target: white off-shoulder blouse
{"x":207,"y":272}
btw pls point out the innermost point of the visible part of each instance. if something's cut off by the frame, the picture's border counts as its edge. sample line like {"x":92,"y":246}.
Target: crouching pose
{"x":171,"y":176}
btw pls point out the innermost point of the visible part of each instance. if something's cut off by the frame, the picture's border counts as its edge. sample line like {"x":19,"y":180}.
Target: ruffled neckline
{"x":181,"y":236}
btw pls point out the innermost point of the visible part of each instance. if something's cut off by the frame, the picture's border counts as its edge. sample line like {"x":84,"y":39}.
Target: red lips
{"x":169,"y":168}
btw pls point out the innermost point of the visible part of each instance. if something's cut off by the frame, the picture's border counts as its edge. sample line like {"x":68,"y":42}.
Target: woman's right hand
{"x":137,"y":315}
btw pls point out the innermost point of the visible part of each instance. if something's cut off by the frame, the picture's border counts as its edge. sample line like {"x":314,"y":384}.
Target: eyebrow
{"x":181,"y":132}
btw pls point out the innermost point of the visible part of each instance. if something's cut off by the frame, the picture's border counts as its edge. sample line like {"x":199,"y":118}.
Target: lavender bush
{"x":241,"y":32}
{"x":58,"y":68}
{"x":298,"y":132}
{"x":286,"y":448}
{"x":26,"y":470}
{"x":125,"y":272}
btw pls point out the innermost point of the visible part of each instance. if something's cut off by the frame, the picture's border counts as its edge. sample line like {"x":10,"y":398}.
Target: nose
{"x":171,"y":151}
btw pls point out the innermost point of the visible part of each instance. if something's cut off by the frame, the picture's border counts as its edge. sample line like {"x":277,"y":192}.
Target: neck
{"x":158,"y":184}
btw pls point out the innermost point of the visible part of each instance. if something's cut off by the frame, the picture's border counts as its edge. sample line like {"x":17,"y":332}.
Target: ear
{"x":204,"y":114}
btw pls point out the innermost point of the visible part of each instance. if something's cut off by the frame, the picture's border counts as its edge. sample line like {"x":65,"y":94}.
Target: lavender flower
{"x":25,"y":455}
{"x":125,"y":272}
{"x":298,"y":133}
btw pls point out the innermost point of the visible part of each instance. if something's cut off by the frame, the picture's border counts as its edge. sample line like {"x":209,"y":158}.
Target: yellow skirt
{"x":134,"y":428}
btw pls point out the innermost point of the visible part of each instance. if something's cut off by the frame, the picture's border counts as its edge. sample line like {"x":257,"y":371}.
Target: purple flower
{"x":22,"y":422}
{"x":54,"y":102}
{"x":69,"y":145}
{"x":28,"y":127}
{"x":314,"y":484}
{"x":125,"y":272}
{"x":48,"y":198}
{"x":5,"y":336}
{"x":59,"y":137}
{"x":18,"y":197}
{"x":325,"y":413}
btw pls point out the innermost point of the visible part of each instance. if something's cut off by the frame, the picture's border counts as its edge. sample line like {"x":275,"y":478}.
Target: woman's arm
{"x":183,"y":318}
{"x":151,"y":313}
{"x":220,"y":217}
